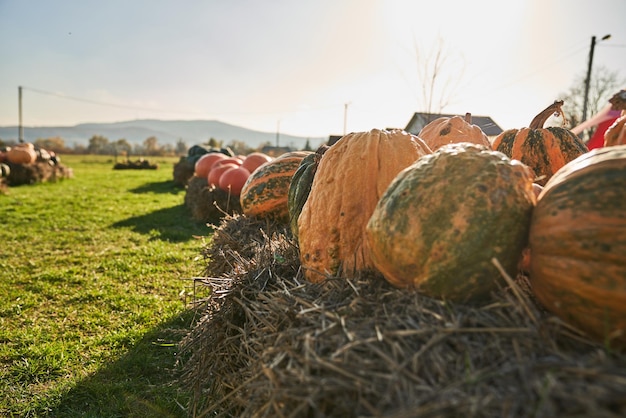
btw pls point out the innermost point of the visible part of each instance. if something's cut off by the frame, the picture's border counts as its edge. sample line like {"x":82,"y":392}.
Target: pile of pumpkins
{"x":228,"y":173}
{"x":454,"y":216}
{"x":24,"y":153}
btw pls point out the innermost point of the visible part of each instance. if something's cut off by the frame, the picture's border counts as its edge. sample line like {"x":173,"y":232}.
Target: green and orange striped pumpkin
{"x":577,"y":244}
{"x":544,"y":150}
{"x":265,"y":193}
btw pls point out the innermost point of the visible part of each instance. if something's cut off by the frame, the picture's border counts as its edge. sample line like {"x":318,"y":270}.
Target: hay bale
{"x":38,"y":172}
{"x":139,"y":164}
{"x":183,"y":172}
{"x":208,"y":203}
{"x":270,"y":344}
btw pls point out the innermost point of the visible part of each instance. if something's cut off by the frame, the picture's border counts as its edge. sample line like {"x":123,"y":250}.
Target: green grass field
{"x":91,"y":274}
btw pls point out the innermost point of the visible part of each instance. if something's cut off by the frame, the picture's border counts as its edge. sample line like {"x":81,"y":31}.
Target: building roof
{"x":419,"y":120}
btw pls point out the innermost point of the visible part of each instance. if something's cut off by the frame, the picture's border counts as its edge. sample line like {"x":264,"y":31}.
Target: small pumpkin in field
{"x":578,"y":246}
{"x":300,"y":186}
{"x":265,"y":193}
{"x":23,"y":153}
{"x":350,"y":178}
{"x":450,"y":130}
{"x":443,"y":219}
{"x":545,"y":150}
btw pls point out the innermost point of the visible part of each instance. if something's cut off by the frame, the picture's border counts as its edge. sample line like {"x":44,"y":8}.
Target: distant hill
{"x":166,"y":131}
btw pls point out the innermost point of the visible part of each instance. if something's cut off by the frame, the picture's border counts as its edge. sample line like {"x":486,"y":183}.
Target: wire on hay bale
{"x":209,"y":203}
{"x":37,"y":172}
{"x":270,"y":344}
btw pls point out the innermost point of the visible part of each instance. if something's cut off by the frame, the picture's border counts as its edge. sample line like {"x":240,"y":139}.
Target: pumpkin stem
{"x":541,"y":118}
{"x":468,"y":118}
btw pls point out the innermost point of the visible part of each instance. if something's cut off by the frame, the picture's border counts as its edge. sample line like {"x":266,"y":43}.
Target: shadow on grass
{"x":166,"y":186}
{"x":141,"y":383}
{"x":172,"y":224}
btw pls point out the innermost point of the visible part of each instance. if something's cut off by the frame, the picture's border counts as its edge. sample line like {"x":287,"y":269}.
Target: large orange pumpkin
{"x":450,"y":130}
{"x":444,"y":218}
{"x":350,"y":178}
{"x":545,"y":150}
{"x":265,"y":193}
{"x":578,"y":245}
{"x":23,"y":153}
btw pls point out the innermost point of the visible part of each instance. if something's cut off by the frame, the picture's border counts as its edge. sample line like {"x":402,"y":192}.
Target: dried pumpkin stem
{"x":468,"y":118}
{"x":541,"y":118}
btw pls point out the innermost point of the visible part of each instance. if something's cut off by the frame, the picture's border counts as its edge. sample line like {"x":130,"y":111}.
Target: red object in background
{"x":597,"y":139}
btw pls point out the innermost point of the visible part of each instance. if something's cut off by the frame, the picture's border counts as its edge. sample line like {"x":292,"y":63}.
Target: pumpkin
{"x":216,"y":173}
{"x":544,"y":150}
{"x":443,"y":219}
{"x":206,"y":161}
{"x":232,"y":180}
{"x":23,"y":153}
{"x":577,"y":244}
{"x":450,"y":130}
{"x":254,"y":160}
{"x":265,"y":193}
{"x":351,"y":176}
{"x":300,"y":186}
{"x":616,"y":133}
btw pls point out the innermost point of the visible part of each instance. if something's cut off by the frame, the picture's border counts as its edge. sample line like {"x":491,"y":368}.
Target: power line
{"x":122,"y":106}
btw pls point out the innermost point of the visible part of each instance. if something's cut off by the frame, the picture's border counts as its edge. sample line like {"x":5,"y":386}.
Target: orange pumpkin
{"x":450,"y":130}
{"x":577,"y":230}
{"x":544,"y":150}
{"x":23,"y":153}
{"x":350,"y":179}
{"x":232,"y":180}
{"x":254,"y":160}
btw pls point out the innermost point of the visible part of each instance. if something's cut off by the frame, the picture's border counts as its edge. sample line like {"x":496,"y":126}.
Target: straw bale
{"x":40,"y":171}
{"x":270,"y":344}
{"x":183,"y":171}
{"x":209,"y":203}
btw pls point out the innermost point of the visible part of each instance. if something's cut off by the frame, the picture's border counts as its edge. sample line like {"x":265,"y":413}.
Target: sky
{"x":303,"y":67}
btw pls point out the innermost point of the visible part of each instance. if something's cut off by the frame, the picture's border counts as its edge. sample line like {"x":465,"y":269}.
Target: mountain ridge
{"x":166,"y":131}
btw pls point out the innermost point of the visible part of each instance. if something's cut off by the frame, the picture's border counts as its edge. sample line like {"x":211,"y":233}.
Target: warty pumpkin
{"x":265,"y":193}
{"x":450,"y":130}
{"x":22,"y":153}
{"x":350,"y":178}
{"x":300,"y":186}
{"x":578,"y":245}
{"x":443,"y":219}
{"x":544,"y":150}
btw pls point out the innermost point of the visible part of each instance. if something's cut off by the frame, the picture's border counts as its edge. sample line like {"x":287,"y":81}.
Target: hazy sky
{"x":304,"y":67}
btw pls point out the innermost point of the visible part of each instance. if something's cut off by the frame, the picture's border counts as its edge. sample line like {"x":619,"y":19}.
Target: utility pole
{"x":588,"y":79}
{"x":20,"y":132}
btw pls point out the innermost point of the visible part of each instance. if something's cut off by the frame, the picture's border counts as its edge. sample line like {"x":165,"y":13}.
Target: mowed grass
{"x":91,"y":274}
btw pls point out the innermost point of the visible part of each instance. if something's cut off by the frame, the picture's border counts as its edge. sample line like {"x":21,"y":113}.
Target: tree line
{"x":150,"y":147}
